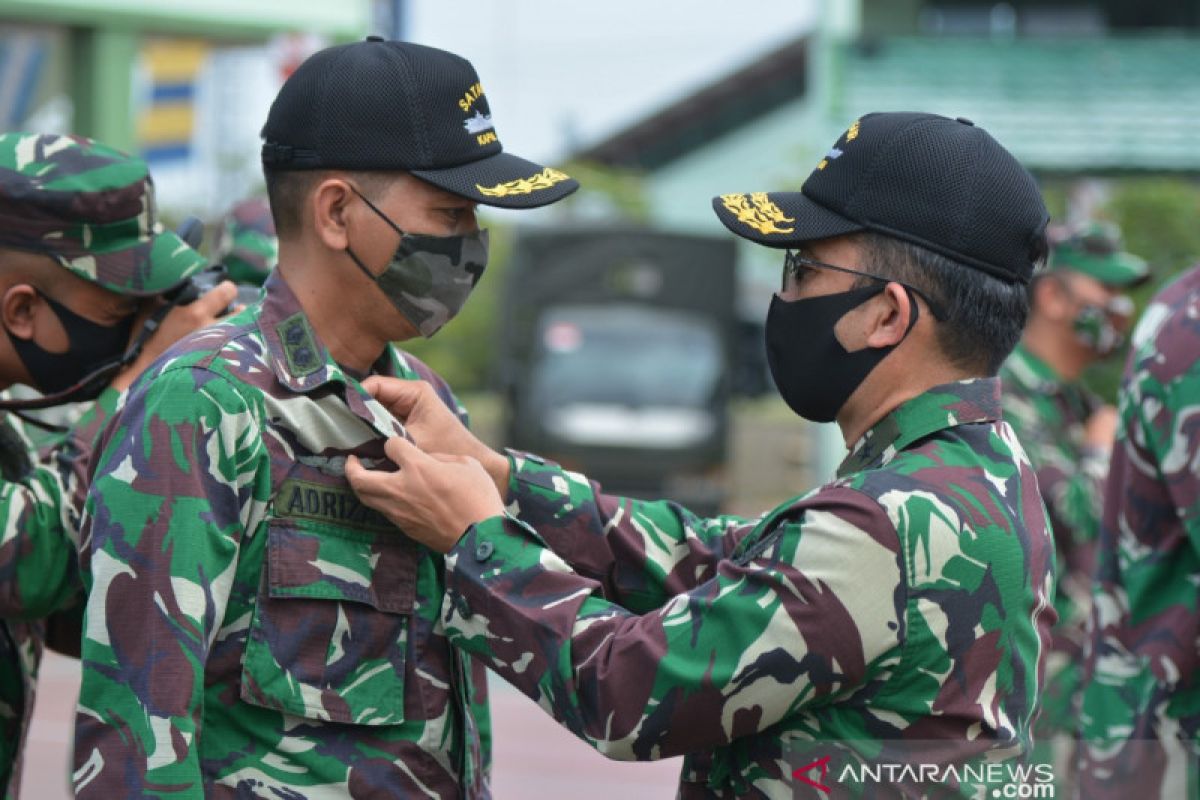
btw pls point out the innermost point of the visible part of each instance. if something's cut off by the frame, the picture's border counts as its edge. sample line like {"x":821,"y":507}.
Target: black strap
{"x":100,"y":376}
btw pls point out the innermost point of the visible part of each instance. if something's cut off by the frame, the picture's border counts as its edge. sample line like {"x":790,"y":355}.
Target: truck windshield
{"x":626,"y":355}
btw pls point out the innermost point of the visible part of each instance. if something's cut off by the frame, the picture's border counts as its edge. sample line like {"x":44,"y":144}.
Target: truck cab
{"x":617,"y":348}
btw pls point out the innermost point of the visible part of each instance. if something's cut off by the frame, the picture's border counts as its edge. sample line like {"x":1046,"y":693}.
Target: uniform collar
{"x":1031,"y":372}
{"x":302,"y":363}
{"x":942,"y":407}
{"x":297,"y":355}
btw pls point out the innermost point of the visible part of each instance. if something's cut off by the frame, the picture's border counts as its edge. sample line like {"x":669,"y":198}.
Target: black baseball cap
{"x":940,"y":183}
{"x":380,"y":105}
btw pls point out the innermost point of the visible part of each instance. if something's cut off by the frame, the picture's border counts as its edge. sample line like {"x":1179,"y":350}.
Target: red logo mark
{"x":823,"y":763}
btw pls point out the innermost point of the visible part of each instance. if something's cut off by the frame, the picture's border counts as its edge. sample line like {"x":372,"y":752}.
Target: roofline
{"x":708,"y":113}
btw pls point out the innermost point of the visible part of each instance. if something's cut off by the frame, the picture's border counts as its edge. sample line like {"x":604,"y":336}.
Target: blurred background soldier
{"x":82,"y":258}
{"x":254,"y":630}
{"x":1078,"y":315}
{"x":245,"y":243}
{"x":1140,"y":723}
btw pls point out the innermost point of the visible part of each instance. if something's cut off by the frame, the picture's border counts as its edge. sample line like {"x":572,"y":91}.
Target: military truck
{"x":617,"y":346}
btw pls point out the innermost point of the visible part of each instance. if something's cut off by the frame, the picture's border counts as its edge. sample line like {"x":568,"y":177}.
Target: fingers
{"x":401,"y":451}
{"x":214,"y":302}
{"x":446,"y":458}
{"x":398,"y":395}
{"x":365,"y":482}
{"x":354,"y":471}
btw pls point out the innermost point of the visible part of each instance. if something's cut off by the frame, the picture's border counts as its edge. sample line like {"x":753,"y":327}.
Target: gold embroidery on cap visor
{"x":757,"y":211}
{"x":543,"y":180}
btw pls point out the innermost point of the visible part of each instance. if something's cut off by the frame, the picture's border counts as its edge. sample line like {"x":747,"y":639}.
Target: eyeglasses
{"x":793,"y":262}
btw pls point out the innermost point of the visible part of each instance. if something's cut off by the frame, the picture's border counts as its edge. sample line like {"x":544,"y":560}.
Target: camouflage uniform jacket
{"x":41,"y":499}
{"x":251,"y":629}
{"x":1141,"y":704}
{"x":909,"y":599}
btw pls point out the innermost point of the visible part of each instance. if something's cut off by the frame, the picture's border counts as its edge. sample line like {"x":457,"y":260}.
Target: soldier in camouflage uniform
{"x":252,"y":629}
{"x":245,"y":242}
{"x":1140,"y":723}
{"x":81,"y":253}
{"x":1079,"y":315}
{"x":900,"y":613}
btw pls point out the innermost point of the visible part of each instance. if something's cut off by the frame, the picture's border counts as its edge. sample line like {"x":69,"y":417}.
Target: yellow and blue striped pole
{"x":167,"y":123}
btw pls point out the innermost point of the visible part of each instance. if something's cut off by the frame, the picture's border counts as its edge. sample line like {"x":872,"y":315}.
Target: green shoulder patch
{"x":299,"y":345}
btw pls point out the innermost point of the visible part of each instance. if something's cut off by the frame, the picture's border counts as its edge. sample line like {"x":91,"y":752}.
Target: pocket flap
{"x":312,"y":560}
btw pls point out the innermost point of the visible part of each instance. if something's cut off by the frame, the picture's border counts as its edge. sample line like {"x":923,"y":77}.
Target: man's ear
{"x":329,"y":205}
{"x":1050,"y":298}
{"x":890,"y":316}
{"x":17,"y":307}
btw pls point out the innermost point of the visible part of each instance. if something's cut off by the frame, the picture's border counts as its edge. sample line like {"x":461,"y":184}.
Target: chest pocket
{"x":331,"y":624}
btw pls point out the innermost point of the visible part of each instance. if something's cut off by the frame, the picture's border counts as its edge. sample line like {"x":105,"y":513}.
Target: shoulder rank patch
{"x":299,"y":345}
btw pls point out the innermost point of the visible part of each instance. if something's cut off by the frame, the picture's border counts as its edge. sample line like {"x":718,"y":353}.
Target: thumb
{"x":396,"y":394}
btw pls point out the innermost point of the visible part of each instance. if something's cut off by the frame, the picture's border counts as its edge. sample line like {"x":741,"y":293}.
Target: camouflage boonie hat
{"x":246,"y":243}
{"x":90,"y":208}
{"x":1095,"y":249}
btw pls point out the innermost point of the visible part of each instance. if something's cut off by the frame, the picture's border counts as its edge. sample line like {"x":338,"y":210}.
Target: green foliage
{"x":1160,"y":218}
{"x":1054,"y":194}
{"x":619,"y":192}
{"x":1161,"y":221}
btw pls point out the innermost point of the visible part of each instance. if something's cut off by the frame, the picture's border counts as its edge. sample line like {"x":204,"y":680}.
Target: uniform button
{"x":484,"y":551}
{"x":464,"y":610}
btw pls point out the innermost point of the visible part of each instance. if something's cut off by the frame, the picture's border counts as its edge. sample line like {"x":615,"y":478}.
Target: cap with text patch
{"x":379,"y":105}
{"x":943,"y":184}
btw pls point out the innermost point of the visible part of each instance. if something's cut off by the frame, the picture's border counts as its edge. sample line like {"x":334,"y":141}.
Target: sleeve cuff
{"x":487,"y":558}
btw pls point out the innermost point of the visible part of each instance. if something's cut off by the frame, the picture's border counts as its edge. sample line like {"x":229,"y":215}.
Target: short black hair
{"x":288,"y":189}
{"x":983,"y":316}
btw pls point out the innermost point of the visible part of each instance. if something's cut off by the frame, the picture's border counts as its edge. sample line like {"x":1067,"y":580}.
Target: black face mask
{"x":90,"y":347}
{"x":815,"y":375}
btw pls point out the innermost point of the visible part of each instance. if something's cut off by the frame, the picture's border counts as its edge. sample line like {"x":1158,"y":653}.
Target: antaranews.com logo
{"x":824,"y":771}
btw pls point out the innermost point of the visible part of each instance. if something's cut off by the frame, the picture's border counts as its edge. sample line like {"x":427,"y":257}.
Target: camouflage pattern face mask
{"x":429,"y":277}
{"x":1095,"y":327}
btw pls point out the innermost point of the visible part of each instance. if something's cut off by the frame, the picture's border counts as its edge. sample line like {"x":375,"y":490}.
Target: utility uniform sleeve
{"x":1165,"y":426}
{"x":181,"y":470}
{"x":37,"y":557}
{"x":1144,"y":625}
{"x":810,"y":609}
{"x":40,"y":514}
{"x":641,"y":552}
